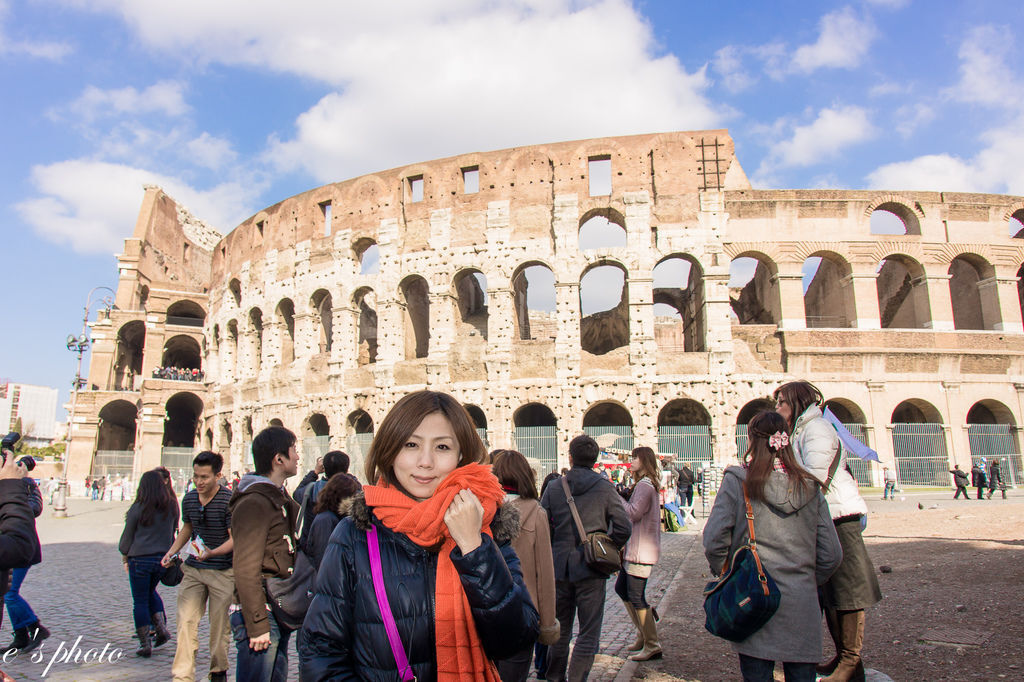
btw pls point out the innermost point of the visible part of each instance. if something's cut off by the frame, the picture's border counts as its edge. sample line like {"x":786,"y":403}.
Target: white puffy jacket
{"x":814,"y":443}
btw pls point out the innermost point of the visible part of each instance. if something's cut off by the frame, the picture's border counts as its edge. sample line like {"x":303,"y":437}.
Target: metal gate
{"x":921,"y":457}
{"x":357,"y":446}
{"x":863,"y":470}
{"x":741,"y":440}
{"x":623,"y":441}
{"x":179,"y":462}
{"x":996,"y":441}
{"x":690,"y":444}
{"x":538,"y":443}
{"x":312,"y":448}
{"x":113,"y":463}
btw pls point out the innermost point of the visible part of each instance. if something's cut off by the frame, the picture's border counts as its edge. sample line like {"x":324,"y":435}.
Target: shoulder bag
{"x":290,"y":597}
{"x":600,"y":553}
{"x":397,"y":650}
{"x":745,"y":597}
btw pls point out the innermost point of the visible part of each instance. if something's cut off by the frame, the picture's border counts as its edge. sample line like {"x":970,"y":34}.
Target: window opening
{"x":471,"y":180}
{"x":416,"y":189}
{"x":325,"y":207}
{"x":599,"y":172}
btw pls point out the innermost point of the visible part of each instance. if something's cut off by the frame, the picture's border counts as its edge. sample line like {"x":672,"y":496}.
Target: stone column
{"x":1000,"y":302}
{"x":642,"y":348}
{"x":345,"y":336}
{"x":937,"y":306}
{"x":248,"y":357}
{"x":567,"y":343}
{"x":500,"y":329}
{"x":865,"y":300}
{"x":272,"y":332}
{"x":307,"y":341}
{"x":791,"y":298}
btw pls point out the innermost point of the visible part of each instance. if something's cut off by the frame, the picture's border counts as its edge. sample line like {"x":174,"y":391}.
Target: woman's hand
{"x":465,"y":520}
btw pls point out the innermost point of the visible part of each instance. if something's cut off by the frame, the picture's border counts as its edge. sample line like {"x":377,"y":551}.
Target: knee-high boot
{"x":832,"y":619}
{"x":850,"y":667}
{"x":649,"y":629}
{"x":161,"y":635}
{"x":639,"y":643}
{"x":145,"y":644}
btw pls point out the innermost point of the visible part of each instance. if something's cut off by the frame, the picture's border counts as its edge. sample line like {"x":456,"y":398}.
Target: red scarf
{"x":460,"y":655}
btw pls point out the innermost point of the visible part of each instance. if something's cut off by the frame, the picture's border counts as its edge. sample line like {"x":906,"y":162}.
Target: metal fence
{"x":921,"y":456}
{"x":179,"y":462}
{"x":741,"y":440}
{"x":539,"y":443}
{"x":996,"y":441}
{"x":113,"y":463}
{"x":623,"y":440}
{"x":357,"y":446}
{"x":690,"y":444}
{"x":483,"y":436}
{"x":863,"y":470}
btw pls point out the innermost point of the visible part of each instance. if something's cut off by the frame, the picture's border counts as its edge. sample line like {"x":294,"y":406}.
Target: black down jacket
{"x":343,"y":635}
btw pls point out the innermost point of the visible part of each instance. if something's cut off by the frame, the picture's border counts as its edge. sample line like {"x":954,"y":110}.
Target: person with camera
{"x":29,"y":633}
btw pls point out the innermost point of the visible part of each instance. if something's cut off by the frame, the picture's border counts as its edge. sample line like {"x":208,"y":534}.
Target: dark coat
{"x":343,"y":636}
{"x":18,"y":540}
{"x":600,"y":509}
{"x":978,"y":478}
{"x":320,"y":531}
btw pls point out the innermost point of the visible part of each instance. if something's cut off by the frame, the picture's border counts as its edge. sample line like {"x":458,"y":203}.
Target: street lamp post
{"x":78,"y":345}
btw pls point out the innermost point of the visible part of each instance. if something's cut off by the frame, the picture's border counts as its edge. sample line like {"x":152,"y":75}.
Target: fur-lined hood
{"x":504,"y":527}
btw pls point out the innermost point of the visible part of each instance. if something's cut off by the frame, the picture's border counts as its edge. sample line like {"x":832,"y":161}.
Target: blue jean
{"x":20,"y":613}
{"x":760,"y":670}
{"x":269,"y":665}
{"x":585,"y":598}
{"x":144,"y":573}
{"x":890,"y":490}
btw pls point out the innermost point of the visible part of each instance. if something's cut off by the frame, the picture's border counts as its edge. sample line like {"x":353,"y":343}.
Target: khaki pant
{"x":197,"y":587}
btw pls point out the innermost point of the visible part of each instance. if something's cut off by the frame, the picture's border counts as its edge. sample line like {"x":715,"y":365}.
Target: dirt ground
{"x":948,"y":609}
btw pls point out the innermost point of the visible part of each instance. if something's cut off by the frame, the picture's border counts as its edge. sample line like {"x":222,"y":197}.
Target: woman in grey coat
{"x":796,"y":541}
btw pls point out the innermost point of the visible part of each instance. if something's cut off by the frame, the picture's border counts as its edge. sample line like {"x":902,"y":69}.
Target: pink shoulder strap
{"x":404,"y":669}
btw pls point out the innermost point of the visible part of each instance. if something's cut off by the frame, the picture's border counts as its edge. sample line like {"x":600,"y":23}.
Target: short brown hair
{"x":514,"y":471}
{"x":402,"y":420}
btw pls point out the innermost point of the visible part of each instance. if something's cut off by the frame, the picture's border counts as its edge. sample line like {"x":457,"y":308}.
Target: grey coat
{"x":798,"y":546}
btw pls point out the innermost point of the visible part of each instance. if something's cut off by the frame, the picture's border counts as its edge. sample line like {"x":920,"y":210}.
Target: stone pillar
{"x":937,"y":306}
{"x":228,"y":355}
{"x":345,"y":336}
{"x":443,"y":308}
{"x":390,"y":331}
{"x":1000,"y":302}
{"x":500,"y":329}
{"x":272,"y":331}
{"x":248,"y":357}
{"x":567,"y":343}
{"x":791,"y":299}
{"x":642,"y":348}
{"x":717,"y":309}
{"x":307,"y":338}
{"x":865,"y":300}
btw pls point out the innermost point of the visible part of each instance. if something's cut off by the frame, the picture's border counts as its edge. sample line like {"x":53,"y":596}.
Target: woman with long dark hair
{"x":853,"y":587}
{"x":795,"y":539}
{"x":148,"y":533}
{"x":332,"y":505}
{"x":642,"y":552}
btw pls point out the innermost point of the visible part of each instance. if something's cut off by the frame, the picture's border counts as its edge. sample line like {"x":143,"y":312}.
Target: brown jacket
{"x":263,"y":520}
{"x":533,"y":547}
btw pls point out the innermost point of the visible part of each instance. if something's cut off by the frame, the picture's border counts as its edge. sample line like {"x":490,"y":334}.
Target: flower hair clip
{"x":778,"y":440}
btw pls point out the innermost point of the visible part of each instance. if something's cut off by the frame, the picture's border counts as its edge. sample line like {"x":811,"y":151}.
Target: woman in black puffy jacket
{"x":452,"y":580}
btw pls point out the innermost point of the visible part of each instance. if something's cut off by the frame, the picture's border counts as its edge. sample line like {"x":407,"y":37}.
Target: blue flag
{"x":851,"y":444}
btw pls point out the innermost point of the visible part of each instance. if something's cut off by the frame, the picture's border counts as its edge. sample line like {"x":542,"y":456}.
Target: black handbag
{"x":745,"y":597}
{"x":173,"y":574}
{"x":290,"y":597}
{"x":600,"y":553}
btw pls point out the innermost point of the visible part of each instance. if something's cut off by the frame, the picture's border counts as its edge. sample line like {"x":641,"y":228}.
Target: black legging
{"x":631,"y":589}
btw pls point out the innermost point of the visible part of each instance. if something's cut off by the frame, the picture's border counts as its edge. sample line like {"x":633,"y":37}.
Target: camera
{"x":8,"y":443}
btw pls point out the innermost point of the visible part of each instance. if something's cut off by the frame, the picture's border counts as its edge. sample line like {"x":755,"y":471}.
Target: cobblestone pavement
{"x":80,"y":592}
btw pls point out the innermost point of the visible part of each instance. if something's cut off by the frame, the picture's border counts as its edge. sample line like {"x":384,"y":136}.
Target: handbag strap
{"x":575,"y":512}
{"x":832,"y":469}
{"x":401,"y":661}
{"x":761,"y":577}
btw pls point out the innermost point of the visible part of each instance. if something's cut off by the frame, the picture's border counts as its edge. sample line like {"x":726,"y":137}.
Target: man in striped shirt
{"x":206,"y":529}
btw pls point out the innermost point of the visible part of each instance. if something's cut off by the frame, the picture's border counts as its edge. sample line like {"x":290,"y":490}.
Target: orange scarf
{"x":460,"y":655}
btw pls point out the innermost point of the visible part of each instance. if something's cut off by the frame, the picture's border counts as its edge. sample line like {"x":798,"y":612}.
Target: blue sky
{"x":232,"y":106}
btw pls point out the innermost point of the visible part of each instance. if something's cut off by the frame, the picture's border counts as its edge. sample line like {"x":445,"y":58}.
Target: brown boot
{"x":850,"y":667}
{"x":639,"y":643}
{"x":832,"y":619}
{"x":649,"y":629}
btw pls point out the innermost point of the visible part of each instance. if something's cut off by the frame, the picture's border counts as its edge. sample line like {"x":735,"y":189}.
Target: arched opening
{"x":131,"y":338}
{"x":747,"y":413}
{"x":359,"y":425}
{"x":611,"y":425}
{"x":604,"y":309}
{"x":974,"y":306}
{"x":479,"y":421}
{"x":992,"y":433}
{"x":368,"y":255}
{"x":679,"y":319}
{"x":275,"y":422}
{"x":226,"y":437}
{"x":230,"y":361}
{"x":256,"y":348}
{"x":471,"y":302}
{"x":902,"y":294}
{"x":919,"y":442}
{"x":416,"y":298}
{"x":208,"y":439}
{"x":366,"y":332}
{"x":323,"y":310}
{"x":894,"y":218}
{"x":602,"y":229}
{"x":186,"y":313}
{"x":115,"y":439}
{"x":286,"y":321}
{"x":1016,"y":224}
{"x":143,"y":296}
{"x":533,"y":292}
{"x":182,"y":420}
{"x":235,"y":289}
{"x":182,"y":359}
{"x":852,"y":417}
{"x":753,"y":291}
{"x":316,"y":439}
{"x":535,"y":434}
{"x":828,"y":296}
{"x":684,"y":429}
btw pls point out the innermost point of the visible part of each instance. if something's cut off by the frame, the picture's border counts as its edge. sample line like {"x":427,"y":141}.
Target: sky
{"x":232,"y":106}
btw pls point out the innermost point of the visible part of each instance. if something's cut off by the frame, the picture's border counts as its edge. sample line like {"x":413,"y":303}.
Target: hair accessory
{"x":778,"y":440}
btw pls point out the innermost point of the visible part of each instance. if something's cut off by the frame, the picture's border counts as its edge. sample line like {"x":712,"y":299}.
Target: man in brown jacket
{"x":263,"y":517}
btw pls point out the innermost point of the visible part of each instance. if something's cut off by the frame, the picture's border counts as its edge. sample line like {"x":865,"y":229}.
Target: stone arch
{"x":477,"y":415}
{"x":131,"y":339}
{"x":989,"y":411}
{"x":743,"y":418}
{"x":415,"y":294}
{"x":235,"y":289}
{"x":680,"y":320}
{"x":902,"y":293}
{"x":365,"y":301}
{"x":469,"y":287}
{"x":828,"y":294}
{"x":533,"y":296}
{"x":226,"y":436}
{"x":1014,"y":218}
{"x":974,"y":306}
{"x":604,"y":321}
{"x":610,"y":424}
{"x":916,"y":411}
{"x":367,"y":254}
{"x":684,"y":412}
{"x":182,"y":351}
{"x":117,"y":426}
{"x":321,"y":305}
{"x":186,"y":313}
{"x":909,"y":214}
{"x":754,"y":296}
{"x":316,"y":425}
{"x":846,"y":411}
{"x":359,"y":421}
{"x":181,"y":423}
{"x":602,"y":228}
{"x":534,"y":415}
{"x":285,"y":314}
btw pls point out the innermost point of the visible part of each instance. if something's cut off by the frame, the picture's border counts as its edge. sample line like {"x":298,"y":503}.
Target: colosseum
{"x":632,"y":286}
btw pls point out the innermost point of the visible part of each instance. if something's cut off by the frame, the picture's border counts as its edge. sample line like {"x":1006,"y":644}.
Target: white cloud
{"x":728,"y":63}
{"x":889,"y":4}
{"x":415,"y":80}
{"x":832,"y":131}
{"x":910,"y":117}
{"x":843,"y":42}
{"x":92,"y":205}
{"x":166,"y":97}
{"x":210,"y":152}
{"x":985,"y":77}
{"x":931,"y":172}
